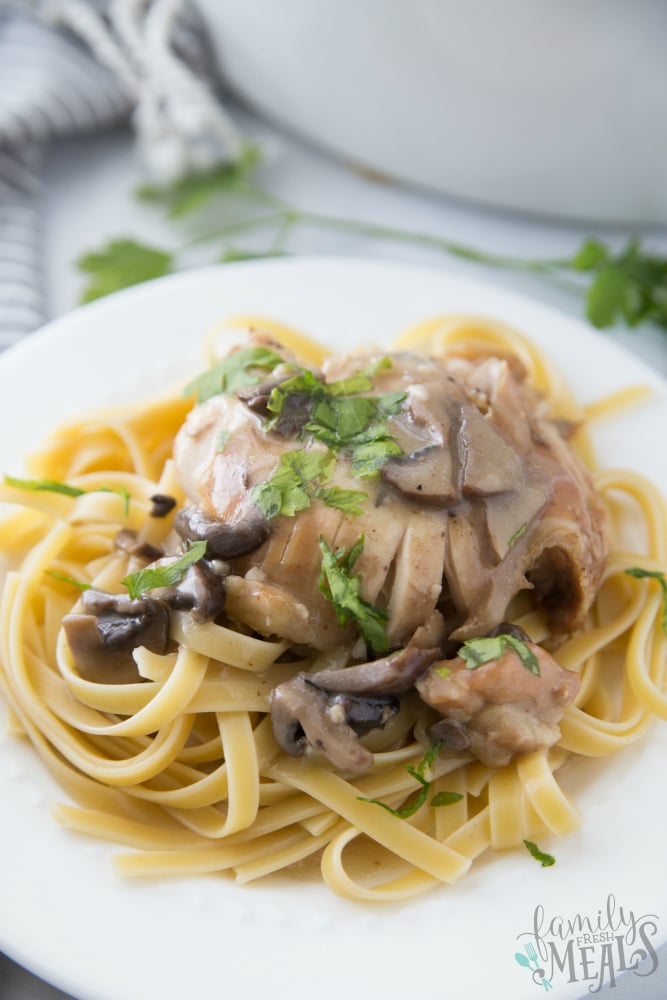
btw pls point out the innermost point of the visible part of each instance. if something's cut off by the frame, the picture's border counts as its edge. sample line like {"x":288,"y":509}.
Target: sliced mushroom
{"x":110,"y":626}
{"x":201,"y":591}
{"x":223,"y":540}
{"x":303,"y":715}
{"x":488,"y":463}
{"x":162,"y":504}
{"x":390,"y":675}
{"x":427,"y":475}
{"x":127,"y":541}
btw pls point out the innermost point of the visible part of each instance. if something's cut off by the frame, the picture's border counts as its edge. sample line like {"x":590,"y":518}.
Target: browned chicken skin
{"x":500,"y":709}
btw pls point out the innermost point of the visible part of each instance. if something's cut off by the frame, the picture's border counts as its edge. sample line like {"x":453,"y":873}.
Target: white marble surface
{"x":88,"y":199}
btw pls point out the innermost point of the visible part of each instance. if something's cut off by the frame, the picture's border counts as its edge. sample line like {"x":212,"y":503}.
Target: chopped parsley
{"x":301,"y":477}
{"x":546,"y":860}
{"x":476,"y":652}
{"x":342,"y":419}
{"x":344,"y":592}
{"x":67,"y":579}
{"x":446,"y":798}
{"x":519,"y":533}
{"x":649,"y":574}
{"x":233,"y":372}
{"x":439,"y":799}
{"x":163,"y":576}
{"x":65,"y":489}
{"x":443,"y":672}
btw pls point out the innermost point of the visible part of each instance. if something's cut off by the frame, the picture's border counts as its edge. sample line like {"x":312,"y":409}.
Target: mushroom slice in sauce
{"x":502,"y":708}
{"x":106,"y":631}
{"x":390,"y":675}
{"x":223,"y":540}
{"x":426,"y":475}
{"x":201,"y":591}
{"x":303,"y":715}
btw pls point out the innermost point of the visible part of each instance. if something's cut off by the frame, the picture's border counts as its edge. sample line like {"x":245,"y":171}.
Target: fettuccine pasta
{"x":181,"y":764}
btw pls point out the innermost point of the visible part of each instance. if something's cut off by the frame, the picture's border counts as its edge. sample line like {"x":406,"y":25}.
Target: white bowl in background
{"x":557,"y":107}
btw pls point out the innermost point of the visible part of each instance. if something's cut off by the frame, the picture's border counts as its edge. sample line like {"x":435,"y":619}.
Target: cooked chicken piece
{"x":499,"y":710}
{"x":486,"y":499}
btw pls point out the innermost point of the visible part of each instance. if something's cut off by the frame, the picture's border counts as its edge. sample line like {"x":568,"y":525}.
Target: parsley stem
{"x":288,"y":217}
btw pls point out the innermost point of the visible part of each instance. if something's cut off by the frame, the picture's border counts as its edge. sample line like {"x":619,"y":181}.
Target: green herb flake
{"x":221,"y":440}
{"x":519,"y":533}
{"x":546,"y":860}
{"x":343,"y":591}
{"x":647,"y":574}
{"x":349,"y":501}
{"x":477,"y":652}
{"x":443,"y":672}
{"x":163,"y":576}
{"x":233,"y":372}
{"x":418,"y":772}
{"x":67,"y":579}
{"x":44,"y":485}
{"x":342,"y":420}
{"x":299,"y":479}
{"x":446,"y":799}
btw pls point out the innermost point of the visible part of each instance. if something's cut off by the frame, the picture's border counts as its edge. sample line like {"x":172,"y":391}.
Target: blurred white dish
{"x":549,"y":106}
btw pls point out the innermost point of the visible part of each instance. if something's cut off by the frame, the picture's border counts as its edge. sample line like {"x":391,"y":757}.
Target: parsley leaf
{"x":121,"y":263}
{"x":349,"y":501}
{"x":476,"y":652}
{"x":190,"y":193}
{"x":344,"y":592}
{"x":631,"y":285}
{"x":54,"y":486}
{"x":647,"y":574}
{"x":163,"y":576}
{"x":44,"y":485}
{"x":342,"y":420}
{"x":446,"y":798}
{"x":441,"y":799}
{"x":546,"y":860}
{"x":233,"y":372}
{"x":298,"y":479}
{"x":288,"y":489}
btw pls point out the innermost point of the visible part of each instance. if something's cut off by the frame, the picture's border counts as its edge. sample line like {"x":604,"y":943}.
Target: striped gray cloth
{"x":54,"y":83}
{"x":50,"y":87}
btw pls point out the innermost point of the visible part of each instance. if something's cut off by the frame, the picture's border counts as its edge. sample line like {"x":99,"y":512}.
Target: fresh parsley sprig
{"x":443,"y":798}
{"x":476,"y":652}
{"x":626,"y":285}
{"x":343,"y":590}
{"x":169,"y":575}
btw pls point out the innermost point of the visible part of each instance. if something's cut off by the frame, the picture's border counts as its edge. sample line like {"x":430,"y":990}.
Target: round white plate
{"x":66,"y":916}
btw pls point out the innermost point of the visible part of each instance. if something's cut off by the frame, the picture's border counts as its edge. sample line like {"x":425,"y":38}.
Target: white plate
{"x":66,"y":916}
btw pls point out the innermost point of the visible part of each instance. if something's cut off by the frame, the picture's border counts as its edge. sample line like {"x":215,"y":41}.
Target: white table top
{"x":88,"y":199}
